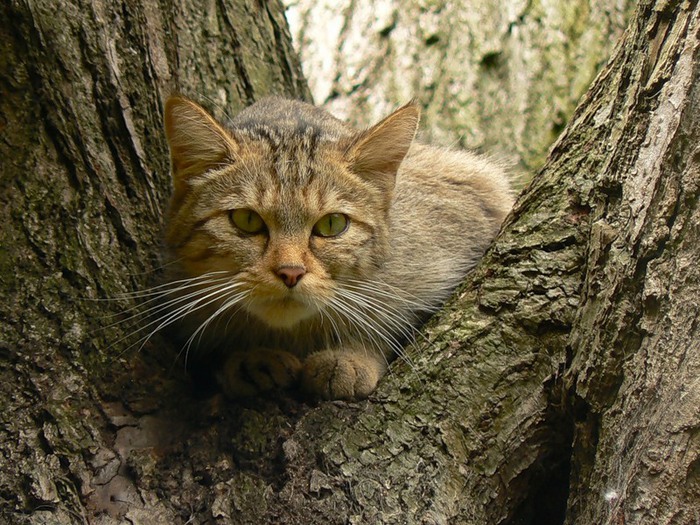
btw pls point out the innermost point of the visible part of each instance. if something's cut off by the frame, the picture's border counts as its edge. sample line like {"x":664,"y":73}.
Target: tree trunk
{"x":85,"y":180}
{"x":560,"y":385}
{"x":499,"y":75}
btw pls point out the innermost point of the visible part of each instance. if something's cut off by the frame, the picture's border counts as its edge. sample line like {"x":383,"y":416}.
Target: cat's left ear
{"x":377,"y":153}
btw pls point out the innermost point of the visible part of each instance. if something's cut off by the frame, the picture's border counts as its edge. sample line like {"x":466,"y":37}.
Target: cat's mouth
{"x":283,"y":312}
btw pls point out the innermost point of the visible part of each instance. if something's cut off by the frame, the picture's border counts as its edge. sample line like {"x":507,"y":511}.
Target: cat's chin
{"x":282,"y":315}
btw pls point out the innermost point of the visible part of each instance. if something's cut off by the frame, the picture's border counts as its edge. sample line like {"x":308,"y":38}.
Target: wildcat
{"x":306,"y":251}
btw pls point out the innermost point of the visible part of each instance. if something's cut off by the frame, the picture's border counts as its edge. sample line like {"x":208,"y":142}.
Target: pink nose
{"x":291,"y":275}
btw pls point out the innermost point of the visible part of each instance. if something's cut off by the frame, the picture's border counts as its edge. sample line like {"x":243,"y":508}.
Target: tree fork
{"x":573,"y":346}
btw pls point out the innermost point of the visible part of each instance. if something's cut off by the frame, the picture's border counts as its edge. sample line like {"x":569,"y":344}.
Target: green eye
{"x":247,"y":220}
{"x":331,"y":225}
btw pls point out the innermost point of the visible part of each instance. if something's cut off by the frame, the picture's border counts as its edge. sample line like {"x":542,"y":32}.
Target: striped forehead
{"x":293,"y":188}
{"x":290,"y":148}
{"x":290,"y":211}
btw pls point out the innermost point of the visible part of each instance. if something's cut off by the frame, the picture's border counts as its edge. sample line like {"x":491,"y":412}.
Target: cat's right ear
{"x":198,"y":143}
{"x":377,"y":153}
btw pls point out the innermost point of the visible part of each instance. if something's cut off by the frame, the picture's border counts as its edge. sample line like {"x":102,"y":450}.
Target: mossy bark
{"x":85,"y":180}
{"x":559,"y":385}
{"x":500,"y":75}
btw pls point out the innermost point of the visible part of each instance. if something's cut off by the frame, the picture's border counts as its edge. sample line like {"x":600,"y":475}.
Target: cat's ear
{"x":377,"y":153}
{"x":197,"y":142}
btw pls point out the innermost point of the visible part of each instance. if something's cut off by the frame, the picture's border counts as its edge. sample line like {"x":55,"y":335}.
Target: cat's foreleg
{"x":347,"y":373}
{"x":249,"y":373}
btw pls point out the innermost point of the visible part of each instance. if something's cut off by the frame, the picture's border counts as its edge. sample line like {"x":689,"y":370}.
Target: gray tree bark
{"x":560,"y":385}
{"x":85,"y":180}
{"x":500,"y":75}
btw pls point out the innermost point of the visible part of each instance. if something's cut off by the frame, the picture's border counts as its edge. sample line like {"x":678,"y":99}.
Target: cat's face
{"x":287,"y":230}
{"x":284,"y":223}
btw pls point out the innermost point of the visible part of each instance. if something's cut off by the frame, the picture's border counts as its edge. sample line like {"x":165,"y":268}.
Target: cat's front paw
{"x":249,"y":373}
{"x":341,"y":375}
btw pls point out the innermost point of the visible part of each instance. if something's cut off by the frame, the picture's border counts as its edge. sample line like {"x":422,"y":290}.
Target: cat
{"x":306,"y":252}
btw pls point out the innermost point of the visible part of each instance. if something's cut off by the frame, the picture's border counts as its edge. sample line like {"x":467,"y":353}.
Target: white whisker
{"x":334,"y":326}
{"x":378,"y":335}
{"x":385,"y":316}
{"x":212,"y":296}
{"x":229,"y":301}
{"x":173,"y":301}
{"x":408,"y":316}
{"x":349,"y":313}
{"x":166,"y":305}
{"x":390,"y":292}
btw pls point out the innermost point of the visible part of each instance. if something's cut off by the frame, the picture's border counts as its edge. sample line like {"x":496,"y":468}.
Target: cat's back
{"x":457,"y":182}
{"x":448,"y":206}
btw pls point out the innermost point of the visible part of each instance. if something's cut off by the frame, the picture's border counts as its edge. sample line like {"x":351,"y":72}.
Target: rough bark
{"x":502,"y":75}
{"x":559,"y":385}
{"x":85,"y":179}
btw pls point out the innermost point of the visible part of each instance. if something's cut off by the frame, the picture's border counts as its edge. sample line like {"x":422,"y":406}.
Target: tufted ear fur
{"x":197,"y":142}
{"x":376,"y":153}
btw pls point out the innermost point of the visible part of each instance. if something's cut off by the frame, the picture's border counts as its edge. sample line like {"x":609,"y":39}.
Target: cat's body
{"x":311,"y":250}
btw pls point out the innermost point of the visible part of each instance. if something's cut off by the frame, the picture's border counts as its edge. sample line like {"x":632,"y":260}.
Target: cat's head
{"x":285,"y":211}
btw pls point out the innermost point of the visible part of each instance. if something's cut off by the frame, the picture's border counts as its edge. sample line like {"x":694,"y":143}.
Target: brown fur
{"x":420,"y":217}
